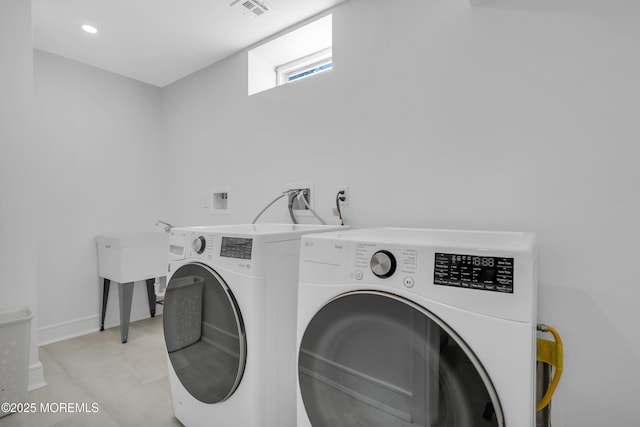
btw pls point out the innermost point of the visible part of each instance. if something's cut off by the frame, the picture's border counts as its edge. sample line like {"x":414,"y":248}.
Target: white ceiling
{"x":159,"y":41}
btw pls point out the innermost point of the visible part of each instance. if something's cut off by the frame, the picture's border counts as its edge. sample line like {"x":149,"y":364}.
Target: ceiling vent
{"x":251,"y":7}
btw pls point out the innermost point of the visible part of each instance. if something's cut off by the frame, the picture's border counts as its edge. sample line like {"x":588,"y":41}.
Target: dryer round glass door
{"x":376,"y":359}
{"x":204,"y":333}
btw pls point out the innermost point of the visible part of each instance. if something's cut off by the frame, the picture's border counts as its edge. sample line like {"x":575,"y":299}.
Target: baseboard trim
{"x":86,"y":325}
{"x":36,"y":377}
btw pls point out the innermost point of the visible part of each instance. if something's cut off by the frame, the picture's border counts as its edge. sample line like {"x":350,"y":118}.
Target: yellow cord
{"x":552,"y":354}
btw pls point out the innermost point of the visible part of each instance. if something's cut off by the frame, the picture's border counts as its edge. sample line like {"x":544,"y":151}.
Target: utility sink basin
{"x":130,"y":257}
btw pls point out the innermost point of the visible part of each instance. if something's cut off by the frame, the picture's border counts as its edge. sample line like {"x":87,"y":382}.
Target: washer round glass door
{"x":374,"y":359}
{"x":204,"y":333}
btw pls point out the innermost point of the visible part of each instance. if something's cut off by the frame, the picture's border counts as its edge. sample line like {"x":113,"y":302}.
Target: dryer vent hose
{"x":551,"y":353}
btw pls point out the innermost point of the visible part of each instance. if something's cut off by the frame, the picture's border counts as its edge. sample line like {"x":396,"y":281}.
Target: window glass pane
{"x":306,"y":73}
{"x":376,"y":360}
{"x":204,"y":334}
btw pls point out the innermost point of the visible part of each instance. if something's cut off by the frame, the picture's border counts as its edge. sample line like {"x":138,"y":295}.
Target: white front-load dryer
{"x":406,"y":327}
{"x":229,"y":323}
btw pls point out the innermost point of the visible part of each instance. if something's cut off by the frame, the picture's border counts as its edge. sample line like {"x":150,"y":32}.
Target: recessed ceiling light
{"x":90,"y":29}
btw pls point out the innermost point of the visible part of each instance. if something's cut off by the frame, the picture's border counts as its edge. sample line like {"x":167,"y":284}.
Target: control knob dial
{"x":383,"y":264}
{"x":199,"y":244}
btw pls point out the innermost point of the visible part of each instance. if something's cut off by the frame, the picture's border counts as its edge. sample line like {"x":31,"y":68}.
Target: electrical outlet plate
{"x":298,"y":207}
{"x":347,"y":197}
{"x":219,"y":201}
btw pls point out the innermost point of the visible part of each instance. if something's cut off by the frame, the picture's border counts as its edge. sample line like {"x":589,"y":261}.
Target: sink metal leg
{"x":151,"y":293}
{"x":105,"y":297}
{"x":125,"y":295}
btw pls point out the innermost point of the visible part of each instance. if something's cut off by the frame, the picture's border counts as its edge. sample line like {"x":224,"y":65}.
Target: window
{"x":301,"y":53}
{"x":304,"y":67}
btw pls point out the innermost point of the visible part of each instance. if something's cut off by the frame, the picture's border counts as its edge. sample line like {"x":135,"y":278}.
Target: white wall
{"x":440,"y":114}
{"x":101,"y":159}
{"x":18,"y":189}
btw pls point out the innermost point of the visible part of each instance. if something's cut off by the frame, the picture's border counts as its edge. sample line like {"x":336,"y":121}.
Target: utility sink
{"x":130,"y":257}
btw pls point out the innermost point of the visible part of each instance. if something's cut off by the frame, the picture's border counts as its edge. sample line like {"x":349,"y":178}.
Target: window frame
{"x":306,"y":63}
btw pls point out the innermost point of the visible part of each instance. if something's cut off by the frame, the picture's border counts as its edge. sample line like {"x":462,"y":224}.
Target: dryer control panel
{"x":405,"y":259}
{"x":486,"y":273}
{"x":490,"y":273}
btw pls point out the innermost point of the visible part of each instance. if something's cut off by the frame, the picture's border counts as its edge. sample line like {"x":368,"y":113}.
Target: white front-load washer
{"x":405,"y":327}
{"x":229,"y":323}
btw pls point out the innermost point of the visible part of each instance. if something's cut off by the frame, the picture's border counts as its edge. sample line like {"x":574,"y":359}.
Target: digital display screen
{"x":236,"y":247}
{"x":485,"y":273}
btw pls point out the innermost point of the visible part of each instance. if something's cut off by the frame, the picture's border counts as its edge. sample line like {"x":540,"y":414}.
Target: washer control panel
{"x":487,"y":273}
{"x":236,"y":247}
{"x":235,"y":252}
{"x":201,"y":246}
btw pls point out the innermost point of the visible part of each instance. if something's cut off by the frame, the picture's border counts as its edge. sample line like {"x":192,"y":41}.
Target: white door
{"x":374,"y":359}
{"x":204,"y":333}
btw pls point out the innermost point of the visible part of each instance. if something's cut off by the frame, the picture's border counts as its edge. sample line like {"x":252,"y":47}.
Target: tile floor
{"x":128,"y":381}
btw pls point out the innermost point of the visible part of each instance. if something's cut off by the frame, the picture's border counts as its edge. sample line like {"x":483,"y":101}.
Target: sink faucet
{"x":167,"y":226}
